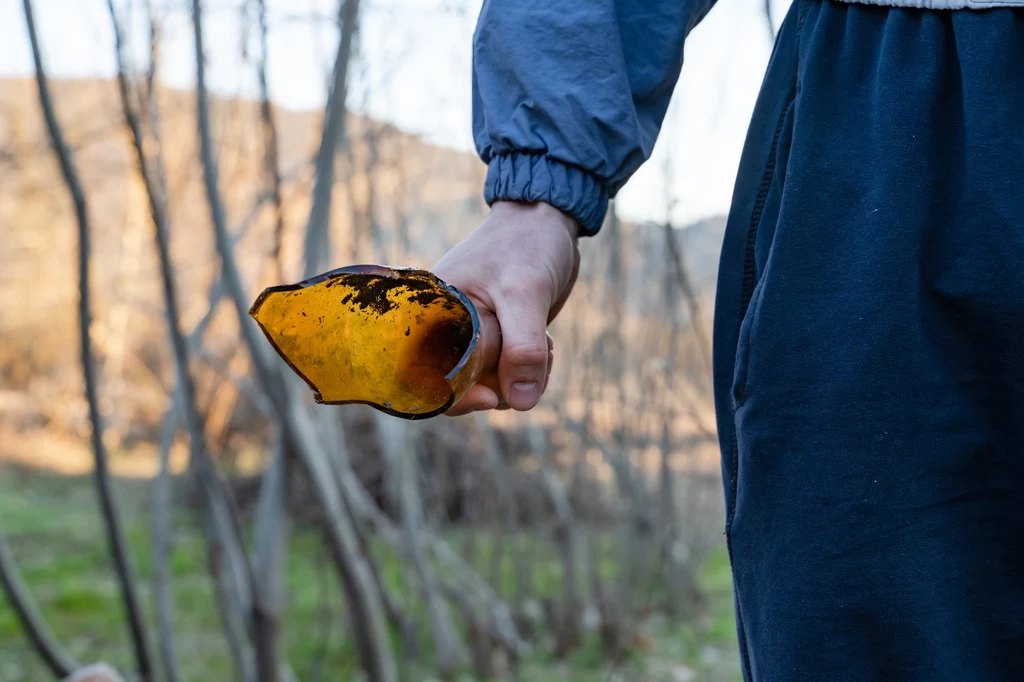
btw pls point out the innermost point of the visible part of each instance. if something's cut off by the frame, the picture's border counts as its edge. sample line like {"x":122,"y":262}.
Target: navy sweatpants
{"x":869,"y":351}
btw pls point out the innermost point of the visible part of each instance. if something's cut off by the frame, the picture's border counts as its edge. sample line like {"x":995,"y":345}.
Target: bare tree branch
{"x":364,"y":602}
{"x":271,"y":532}
{"x":315,"y":666}
{"x":678,"y":580}
{"x":318,"y":246}
{"x":366,"y":610}
{"x":268,"y":605}
{"x":38,"y":631}
{"x":234,"y":577}
{"x":696,"y":314}
{"x":341,"y":467}
{"x":567,"y":536}
{"x":155,"y":33}
{"x":270,"y":143}
{"x":162,"y":544}
{"x":464,"y":578}
{"x":219,"y":288}
{"x":394,"y":441}
{"x":111,"y":516}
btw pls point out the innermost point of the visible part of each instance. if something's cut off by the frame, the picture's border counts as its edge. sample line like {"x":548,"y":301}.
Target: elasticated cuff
{"x":535,"y":177}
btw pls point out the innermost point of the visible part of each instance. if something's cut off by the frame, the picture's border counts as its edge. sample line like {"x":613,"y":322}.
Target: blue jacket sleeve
{"x":569,"y":95}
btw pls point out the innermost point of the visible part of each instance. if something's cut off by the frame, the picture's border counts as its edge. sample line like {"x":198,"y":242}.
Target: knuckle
{"x":526,"y":286}
{"x":527,"y":353}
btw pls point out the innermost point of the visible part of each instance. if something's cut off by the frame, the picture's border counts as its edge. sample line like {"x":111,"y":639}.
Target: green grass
{"x":54,"y":530}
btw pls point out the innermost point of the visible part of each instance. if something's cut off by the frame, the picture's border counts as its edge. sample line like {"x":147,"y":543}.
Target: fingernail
{"x":524,"y":394}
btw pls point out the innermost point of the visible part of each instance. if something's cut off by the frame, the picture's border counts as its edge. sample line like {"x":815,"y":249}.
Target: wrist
{"x":540,"y":211}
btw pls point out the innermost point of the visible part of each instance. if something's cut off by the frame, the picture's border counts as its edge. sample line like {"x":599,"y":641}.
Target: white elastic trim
{"x":940,"y":4}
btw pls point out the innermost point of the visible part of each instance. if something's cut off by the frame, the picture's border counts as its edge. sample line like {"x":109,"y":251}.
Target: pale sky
{"x":414,"y":71}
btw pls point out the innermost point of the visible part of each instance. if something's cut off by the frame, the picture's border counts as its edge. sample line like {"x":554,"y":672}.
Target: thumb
{"x":522,"y":367}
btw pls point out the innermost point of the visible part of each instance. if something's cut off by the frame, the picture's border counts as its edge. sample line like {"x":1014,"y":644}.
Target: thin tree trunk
{"x":318,"y":243}
{"x":111,"y":516}
{"x":677,"y":578}
{"x":273,"y":172}
{"x":234,"y":573}
{"x":506,"y":507}
{"x":341,"y":466}
{"x":38,"y":631}
{"x":394,"y":443}
{"x":364,"y":602}
{"x":366,"y":610}
{"x":696,"y":314}
{"x":163,"y":596}
{"x":271,"y":531}
{"x":567,"y":624}
{"x":464,"y":578}
{"x":154,"y":51}
{"x":162,"y":545}
{"x":271,"y":543}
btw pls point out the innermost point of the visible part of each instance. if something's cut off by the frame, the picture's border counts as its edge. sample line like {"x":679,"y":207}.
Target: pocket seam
{"x":751,"y":283}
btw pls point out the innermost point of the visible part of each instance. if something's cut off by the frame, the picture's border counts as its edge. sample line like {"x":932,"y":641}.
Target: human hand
{"x":518,"y":267}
